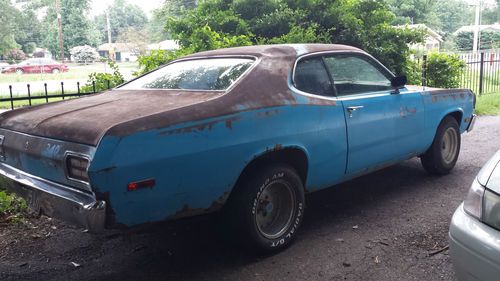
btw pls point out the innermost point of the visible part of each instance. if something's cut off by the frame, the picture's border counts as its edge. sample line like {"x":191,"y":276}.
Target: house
{"x":432,"y":40}
{"x":471,"y":28}
{"x":122,"y":52}
{"x":167,"y":45}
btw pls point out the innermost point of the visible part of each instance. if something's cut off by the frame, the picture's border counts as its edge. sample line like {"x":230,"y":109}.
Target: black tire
{"x":19,"y":71}
{"x":442,"y":156}
{"x":56,"y":71}
{"x":245,"y":209}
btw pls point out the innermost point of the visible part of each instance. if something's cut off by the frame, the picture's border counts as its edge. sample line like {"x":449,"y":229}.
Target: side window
{"x":354,"y":74}
{"x":311,"y":77}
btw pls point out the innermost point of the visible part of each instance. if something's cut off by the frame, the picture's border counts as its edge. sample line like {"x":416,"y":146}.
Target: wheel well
{"x":292,"y":156}
{"x":458,"y":116}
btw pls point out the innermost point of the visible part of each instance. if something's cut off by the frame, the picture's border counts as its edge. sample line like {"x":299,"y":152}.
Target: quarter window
{"x":311,"y":77}
{"x":354,"y":74}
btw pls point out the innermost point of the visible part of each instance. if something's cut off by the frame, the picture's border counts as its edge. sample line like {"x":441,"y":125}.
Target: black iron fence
{"x":481,"y":74}
{"x":46,"y":97}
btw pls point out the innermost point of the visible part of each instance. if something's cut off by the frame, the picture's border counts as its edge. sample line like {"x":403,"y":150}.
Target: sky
{"x":147,"y":5}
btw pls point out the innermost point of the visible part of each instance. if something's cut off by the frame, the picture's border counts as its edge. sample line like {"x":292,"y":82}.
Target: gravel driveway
{"x":389,"y":225}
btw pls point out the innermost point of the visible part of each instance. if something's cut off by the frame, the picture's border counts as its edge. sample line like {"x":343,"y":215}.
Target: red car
{"x":36,"y":65}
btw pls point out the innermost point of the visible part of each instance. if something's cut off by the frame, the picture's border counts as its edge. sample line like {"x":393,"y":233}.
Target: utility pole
{"x":111,"y":52}
{"x":108,"y":27}
{"x":59,"y":24}
{"x":477,"y":28}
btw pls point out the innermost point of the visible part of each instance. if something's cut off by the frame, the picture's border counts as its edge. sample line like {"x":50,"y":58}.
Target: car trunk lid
{"x":87,"y":119}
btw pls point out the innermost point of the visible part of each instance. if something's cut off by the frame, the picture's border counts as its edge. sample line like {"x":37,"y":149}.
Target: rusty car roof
{"x":279,"y":50}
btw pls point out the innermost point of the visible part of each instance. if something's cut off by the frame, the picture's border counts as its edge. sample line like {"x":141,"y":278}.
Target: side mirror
{"x":399,"y":81}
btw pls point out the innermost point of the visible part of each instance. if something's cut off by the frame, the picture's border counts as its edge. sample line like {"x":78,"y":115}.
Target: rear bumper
{"x":472,"y":123}
{"x":56,"y":200}
{"x":474,"y":248}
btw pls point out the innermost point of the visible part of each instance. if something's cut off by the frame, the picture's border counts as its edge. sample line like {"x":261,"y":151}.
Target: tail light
{"x":77,"y":167}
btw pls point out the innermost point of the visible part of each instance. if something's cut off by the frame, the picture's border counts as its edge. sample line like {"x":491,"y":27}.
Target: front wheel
{"x":442,"y":156}
{"x":55,"y":71}
{"x":267,"y":209}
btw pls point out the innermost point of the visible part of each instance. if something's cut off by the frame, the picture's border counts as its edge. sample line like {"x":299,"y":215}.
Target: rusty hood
{"x":86,"y":120}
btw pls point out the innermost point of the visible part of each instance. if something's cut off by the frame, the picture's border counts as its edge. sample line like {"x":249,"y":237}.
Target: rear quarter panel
{"x":197,"y":164}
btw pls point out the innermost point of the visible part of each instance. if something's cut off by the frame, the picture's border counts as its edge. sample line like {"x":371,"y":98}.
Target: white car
{"x":475,"y":228}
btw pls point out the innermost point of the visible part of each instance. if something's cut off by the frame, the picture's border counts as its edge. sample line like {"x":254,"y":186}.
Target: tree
{"x":135,"y":39}
{"x":361,"y":23}
{"x":8,"y":19}
{"x":489,"y":40}
{"x":77,"y":29}
{"x":123,"y":15}
{"x":84,"y":54}
{"x":413,"y":11}
{"x":170,"y":8}
{"x":441,"y":15}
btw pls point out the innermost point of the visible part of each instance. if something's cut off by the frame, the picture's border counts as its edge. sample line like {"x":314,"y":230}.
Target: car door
{"x":328,"y":150}
{"x":370,"y":108}
{"x":33,"y":66}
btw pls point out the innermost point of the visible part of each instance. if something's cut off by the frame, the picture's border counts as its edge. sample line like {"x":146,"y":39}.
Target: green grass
{"x":488,"y":104}
{"x":17,"y":104}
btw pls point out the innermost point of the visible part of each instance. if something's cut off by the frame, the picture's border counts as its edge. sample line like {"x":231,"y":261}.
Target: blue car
{"x":247,"y":131}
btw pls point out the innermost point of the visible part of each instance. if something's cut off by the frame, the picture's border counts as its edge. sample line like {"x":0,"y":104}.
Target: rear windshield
{"x":216,"y":74}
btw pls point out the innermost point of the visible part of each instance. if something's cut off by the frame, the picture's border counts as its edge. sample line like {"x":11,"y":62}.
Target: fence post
{"x":29,"y":94}
{"x":78,"y":86}
{"x":62,"y":90}
{"x":93,"y":86}
{"x":46,"y":93}
{"x":11,"y":101}
{"x":424,"y":70}
{"x":481,"y":74}
{"x":109,"y":84}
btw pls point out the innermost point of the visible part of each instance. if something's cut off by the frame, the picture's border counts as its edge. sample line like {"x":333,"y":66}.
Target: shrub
{"x":10,"y":205}
{"x":14,"y":55}
{"x":84,"y":54}
{"x":104,"y":81}
{"x":413,"y":71}
{"x":29,"y":48}
{"x":444,"y":70}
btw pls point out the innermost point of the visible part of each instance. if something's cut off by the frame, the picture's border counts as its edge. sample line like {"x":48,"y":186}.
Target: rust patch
{"x":106,"y":170}
{"x":187,"y":211}
{"x":201,"y":127}
{"x":268,"y":113}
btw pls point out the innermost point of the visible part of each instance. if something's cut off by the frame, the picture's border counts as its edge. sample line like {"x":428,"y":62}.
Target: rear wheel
{"x":55,"y":71}
{"x":267,"y":209}
{"x":442,"y":156}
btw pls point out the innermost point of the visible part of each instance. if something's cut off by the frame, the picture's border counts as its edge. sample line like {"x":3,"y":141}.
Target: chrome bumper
{"x":472,"y":122}
{"x":474,"y":248}
{"x":56,"y":200}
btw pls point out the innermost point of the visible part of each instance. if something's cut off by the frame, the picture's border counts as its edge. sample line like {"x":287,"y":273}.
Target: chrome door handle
{"x":351,"y":109}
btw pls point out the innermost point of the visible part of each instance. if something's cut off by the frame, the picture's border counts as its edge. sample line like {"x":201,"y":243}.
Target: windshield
{"x":215,"y":74}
